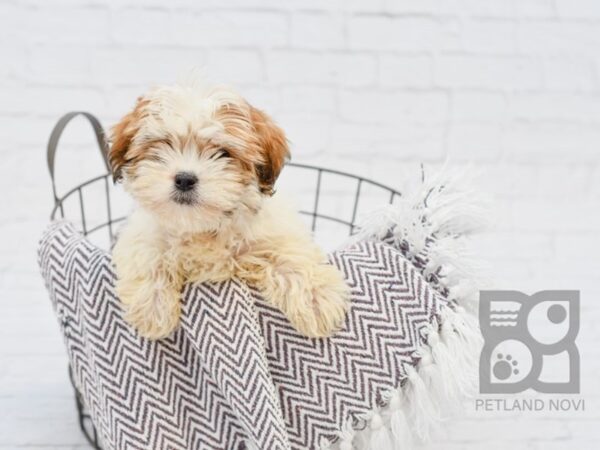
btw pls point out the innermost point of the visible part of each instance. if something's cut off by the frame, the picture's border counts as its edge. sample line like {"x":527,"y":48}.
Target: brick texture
{"x":509,"y":87}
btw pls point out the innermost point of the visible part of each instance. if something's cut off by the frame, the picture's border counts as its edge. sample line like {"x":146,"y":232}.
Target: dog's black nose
{"x":185,"y":181}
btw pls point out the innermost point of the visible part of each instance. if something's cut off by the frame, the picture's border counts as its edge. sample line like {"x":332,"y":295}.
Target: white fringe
{"x":433,"y":223}
{"x":433,"y":391}
{"x":399,"y":422}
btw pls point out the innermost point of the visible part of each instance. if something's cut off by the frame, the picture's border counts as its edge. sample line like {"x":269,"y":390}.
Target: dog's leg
{"x":148,"y":283}
{"x":292,"y":273}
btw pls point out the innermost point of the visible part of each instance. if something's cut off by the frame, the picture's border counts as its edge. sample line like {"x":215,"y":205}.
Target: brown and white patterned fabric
{"x":236,"y":375}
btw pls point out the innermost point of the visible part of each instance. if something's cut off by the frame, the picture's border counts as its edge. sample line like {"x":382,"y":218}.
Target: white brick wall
{"x":375,"y":87}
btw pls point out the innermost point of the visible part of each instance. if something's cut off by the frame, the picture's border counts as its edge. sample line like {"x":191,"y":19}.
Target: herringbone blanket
{"x":236,"y":374}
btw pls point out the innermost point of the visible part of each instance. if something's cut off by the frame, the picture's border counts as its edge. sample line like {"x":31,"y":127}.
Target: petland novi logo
{"x":529,"y":342}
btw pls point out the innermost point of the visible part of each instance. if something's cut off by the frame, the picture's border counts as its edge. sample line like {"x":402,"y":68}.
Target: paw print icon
{"x":529,"y":342}
{"x":505,"y":367}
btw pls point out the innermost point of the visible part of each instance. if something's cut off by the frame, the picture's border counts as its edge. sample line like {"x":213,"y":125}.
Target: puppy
{"x":201,"y":163}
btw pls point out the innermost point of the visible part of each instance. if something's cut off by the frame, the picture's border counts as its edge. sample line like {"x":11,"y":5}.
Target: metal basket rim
{"x":63,"y":197}
{"x":103,"y":147}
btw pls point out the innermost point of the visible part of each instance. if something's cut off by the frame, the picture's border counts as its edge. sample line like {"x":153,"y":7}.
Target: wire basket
{"x":331,"y":201}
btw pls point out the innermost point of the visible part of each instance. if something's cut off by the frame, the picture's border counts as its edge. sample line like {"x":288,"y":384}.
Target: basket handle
{"x":57,"y":133}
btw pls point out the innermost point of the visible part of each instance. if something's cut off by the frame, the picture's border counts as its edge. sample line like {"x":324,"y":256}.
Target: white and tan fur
{"x":229,"y":225}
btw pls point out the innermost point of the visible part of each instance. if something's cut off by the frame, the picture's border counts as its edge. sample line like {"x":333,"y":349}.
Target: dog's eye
{"x":223,"y":153}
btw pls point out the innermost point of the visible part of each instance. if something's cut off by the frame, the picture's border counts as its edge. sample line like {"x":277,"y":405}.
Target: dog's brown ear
{"x":275,"y":150}
{"x":121,"y":136}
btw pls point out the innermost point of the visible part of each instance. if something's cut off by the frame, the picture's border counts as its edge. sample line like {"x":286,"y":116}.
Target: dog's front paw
{"x":324,"y":311}
{"x":153,"y":312}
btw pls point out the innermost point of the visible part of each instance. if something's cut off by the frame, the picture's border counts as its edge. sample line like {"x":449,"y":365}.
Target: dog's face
{"x":197,"y":157}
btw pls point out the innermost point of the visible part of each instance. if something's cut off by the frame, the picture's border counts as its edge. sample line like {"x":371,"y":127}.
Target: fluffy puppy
{"x":201,"y":163}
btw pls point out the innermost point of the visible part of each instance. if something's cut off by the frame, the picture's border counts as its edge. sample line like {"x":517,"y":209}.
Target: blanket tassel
{"x":380,"y":437}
